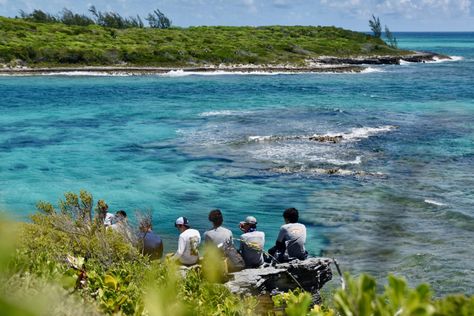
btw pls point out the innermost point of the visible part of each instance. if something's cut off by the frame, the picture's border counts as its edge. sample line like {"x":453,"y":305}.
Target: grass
{"x":56,"y":44}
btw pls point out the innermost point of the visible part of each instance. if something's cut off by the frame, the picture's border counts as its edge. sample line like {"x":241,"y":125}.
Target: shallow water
{"x":182,"y":145}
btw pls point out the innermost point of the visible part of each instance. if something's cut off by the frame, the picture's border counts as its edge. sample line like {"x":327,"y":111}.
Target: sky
{"x":402,"y":15}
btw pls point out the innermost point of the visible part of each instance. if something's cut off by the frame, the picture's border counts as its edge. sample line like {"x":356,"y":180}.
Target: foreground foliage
{"x":65,"y":263}
{"x":361,"y":298}
{"x":56,"y":44}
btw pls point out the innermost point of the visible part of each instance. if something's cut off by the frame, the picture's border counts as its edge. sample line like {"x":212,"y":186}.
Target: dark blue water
{"x":402,"y":200}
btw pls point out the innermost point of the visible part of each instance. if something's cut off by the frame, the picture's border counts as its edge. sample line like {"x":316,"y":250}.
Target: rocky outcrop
{"x":310,"y":274}
{"x":322,"y":171}
{"x":326,"y":138}
{"x":418,"y":57}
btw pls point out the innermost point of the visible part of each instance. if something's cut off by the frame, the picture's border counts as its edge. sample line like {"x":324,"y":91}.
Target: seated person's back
{"x":291,"y":238}
{"x":251,"y":243}
{"x":294,"y":237}
{"x":218,"y":235}
{"x":188,"y":243}
{"x":151,"y":244}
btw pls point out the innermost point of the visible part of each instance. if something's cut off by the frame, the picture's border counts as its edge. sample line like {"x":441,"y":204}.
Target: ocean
{"x":395,"y":195}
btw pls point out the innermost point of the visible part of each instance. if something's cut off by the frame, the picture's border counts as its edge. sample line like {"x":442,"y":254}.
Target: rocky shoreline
{"x":323,"y":64}
{"x":417,"y":57}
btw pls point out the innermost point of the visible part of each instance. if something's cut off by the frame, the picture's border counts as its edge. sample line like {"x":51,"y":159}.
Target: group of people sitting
{"x":250,"y":253}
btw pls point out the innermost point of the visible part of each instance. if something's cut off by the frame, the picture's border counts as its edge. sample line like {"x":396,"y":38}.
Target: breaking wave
{"x":370,"y":70}
{"x":434,"y":202}
{"x":88,"y":74}
{"x":223,"y":113}
{"x":366,"y":132}
{"x":182,"y":73}
{"x":437,"y":60}
{"x":354,"y":134}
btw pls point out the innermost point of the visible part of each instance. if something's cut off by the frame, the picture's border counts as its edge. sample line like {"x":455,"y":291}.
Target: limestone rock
{"x":310,"y":274}
{"x":326,"y":138}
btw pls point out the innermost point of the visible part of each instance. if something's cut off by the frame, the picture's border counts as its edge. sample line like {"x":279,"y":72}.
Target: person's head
{"x":120,"y":215}
{"x":181,"y":223}
{"x":145,"y":226}
{"x":102,"y":206}
{"x":291,"y":215}
{"x":249,"y":224}
{"x":215,"y":216}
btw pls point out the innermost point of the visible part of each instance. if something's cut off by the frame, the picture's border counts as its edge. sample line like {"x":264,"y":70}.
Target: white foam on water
{"x":182,"y":73}
{"x":366,"y":132}
{"x":358,"y":133}
{"x":437,"y":60}
{"x":87,"y":74}
{"x":338,"y":162}
{"x":269,"y":138}
{"x":370,"y":70}
{"x":354,"y":134}
{"x":259,"y":139}
{"x":434,"y":202}
{"x":223,"y":113}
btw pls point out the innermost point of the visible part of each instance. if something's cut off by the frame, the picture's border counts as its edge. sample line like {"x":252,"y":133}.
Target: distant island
{"x":32,"y":47}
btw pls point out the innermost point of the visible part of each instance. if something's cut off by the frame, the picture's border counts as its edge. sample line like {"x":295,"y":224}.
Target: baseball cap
{"x":250,"y":220}
{"x":182,"y":221}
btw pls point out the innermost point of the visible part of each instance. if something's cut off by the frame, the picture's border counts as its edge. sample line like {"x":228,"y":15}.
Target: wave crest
{"x":354,"y":134}
{"x":223,"y":113}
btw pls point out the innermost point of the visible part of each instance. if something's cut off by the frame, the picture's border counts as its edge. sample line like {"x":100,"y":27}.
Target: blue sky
{"x":402,"y":15}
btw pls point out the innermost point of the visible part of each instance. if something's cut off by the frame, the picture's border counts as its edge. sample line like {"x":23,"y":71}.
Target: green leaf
{"x":110,"y":282}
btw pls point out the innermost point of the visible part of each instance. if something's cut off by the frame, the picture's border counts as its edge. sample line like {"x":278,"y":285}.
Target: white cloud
{"x":251,"y":5}
{"x":404,"y":8}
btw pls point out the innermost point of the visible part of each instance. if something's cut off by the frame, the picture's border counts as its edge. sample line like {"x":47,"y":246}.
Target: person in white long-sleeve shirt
{"x":188,"y":243}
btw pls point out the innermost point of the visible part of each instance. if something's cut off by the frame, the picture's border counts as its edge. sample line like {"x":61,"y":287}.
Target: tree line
{"x":156,"y":19}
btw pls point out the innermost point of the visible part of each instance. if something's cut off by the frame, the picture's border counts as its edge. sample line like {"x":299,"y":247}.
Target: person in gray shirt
{"x":251,"y":243}
{"x":218,"y":235}
{"x":291,"y":239}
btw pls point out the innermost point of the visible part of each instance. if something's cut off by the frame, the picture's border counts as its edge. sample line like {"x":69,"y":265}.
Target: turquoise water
{"x":182,"y":145}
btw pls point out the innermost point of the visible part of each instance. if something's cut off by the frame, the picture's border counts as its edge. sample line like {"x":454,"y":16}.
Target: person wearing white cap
{"x":251,"y":243}
{"x":188,"y":243}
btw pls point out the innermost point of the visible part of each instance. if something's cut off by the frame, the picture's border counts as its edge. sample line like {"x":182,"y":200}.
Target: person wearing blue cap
{"x":188,"y":243}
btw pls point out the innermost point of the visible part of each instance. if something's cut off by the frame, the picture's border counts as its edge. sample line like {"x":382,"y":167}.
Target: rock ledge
{"x":310,"y":274}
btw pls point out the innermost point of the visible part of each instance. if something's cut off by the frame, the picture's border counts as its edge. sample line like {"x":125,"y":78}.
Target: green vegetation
{"x":157,"y":19}
{"x":64,"y":263}
{"x":361,"y":299}
{"x":391,"y":39}
{"x":57,"y":44}
{"x":375,"y":26}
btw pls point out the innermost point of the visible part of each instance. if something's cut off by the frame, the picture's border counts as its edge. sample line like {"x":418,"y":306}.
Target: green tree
{"x":375,"y":26}
{"x":115,"y":20}
{"x":391,"y":39}
{"x":158,"y":20}
{"x":38,"y":16}
{"x":69,"y":18}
